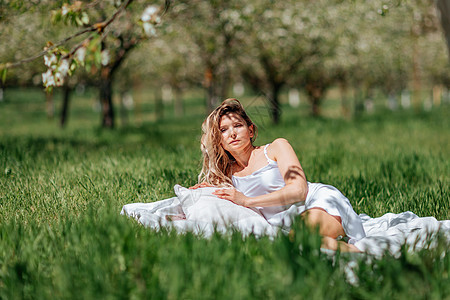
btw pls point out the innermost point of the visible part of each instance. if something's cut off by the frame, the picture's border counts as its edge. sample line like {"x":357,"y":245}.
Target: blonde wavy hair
{"x":216,"y":168}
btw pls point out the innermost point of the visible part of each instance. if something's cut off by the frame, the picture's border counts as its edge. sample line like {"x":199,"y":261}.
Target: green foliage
{"x":61,"y":191}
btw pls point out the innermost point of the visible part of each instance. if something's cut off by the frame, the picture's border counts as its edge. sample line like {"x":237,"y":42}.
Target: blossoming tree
{"x":107,"y":32}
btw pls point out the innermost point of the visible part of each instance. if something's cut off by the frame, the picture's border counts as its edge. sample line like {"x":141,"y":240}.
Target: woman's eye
{"x":223,"y":130}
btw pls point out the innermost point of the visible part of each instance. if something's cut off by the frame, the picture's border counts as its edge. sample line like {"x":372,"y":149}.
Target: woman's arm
{"x":294,"y":191}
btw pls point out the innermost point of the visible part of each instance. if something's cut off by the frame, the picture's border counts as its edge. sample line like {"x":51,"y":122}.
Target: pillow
{"x":201,"y":205}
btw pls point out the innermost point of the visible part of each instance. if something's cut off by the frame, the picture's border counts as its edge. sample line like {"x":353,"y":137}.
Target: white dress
{"x":268,"y":179}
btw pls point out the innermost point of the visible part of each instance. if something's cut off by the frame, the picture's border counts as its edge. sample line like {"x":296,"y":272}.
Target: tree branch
{"x":99,"y":27}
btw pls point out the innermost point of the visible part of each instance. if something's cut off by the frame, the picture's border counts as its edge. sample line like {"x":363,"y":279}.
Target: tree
{"x":444,"y":9}
{"x":175,"y":65}
{"x":391,"y":46}
{"x":18,"y":23}
{"x":289,"y":41}
{"x":210,"y":26}
{"x":111,"y":29}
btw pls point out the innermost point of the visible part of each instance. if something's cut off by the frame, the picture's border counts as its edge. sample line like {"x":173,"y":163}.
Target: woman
{"x":270,"y":178}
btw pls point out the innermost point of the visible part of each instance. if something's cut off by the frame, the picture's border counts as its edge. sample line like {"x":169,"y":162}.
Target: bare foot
{"x":175,"y":217}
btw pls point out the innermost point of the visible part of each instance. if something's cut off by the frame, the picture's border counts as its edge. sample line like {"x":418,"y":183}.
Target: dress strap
{"x":265,"y":153}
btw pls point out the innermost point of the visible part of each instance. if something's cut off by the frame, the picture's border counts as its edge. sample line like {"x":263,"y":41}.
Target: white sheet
{"x":386,"y":233}
{"x":390,"y":231}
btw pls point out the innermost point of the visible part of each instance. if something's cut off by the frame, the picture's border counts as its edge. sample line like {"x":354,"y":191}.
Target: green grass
{"x":61,"y":191}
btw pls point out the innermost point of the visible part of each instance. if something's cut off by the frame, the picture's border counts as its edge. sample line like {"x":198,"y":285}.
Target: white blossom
{"x":80,"y":54}
{"x":63,"y":67}
{"x":149,"y":29}
{"x":234,"y":16}
{"x":48,"y":79}
{"x":48,"y":61}
{"x":268,"y":14}
{"x":105,"y":57}
{"x":59,"y":79}
{"x":84,"y":18}
{"x":149,"y":13}
{"x":64,"y":10}
{"x":248,"y":10}
{"x":286,"y":18}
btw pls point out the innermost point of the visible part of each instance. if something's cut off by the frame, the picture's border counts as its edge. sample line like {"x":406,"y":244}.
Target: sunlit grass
{"x":61,"y":191}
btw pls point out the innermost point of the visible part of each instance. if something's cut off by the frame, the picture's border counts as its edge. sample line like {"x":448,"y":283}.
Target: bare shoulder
{"x":279,"y":147}
{"x":281,"y":144}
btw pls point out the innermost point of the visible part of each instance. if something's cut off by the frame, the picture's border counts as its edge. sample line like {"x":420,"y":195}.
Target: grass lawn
{"x":61,"y":191}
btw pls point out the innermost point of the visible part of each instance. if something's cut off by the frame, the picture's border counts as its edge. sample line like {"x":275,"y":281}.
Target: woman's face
{"x":236,"y":135}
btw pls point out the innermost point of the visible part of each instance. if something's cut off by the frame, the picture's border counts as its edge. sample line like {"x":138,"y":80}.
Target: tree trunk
{"x":274,"y":100}
{"x":2,"y":93}
{"x":106,"y":98}
{"x":65,"y":107}
{"x":315,"y":108}
{"x":123,"y":110}
{"x":315,"y":94}
{"x":211,"y":99}
{"x":178,"y":103}
{"x":159,"y":106}
{"x":358,"y":102}
{"x":225,"y":83}
{"x":211,"y":89}
{"x":444,"y":8}
{"x":437,"y":95}
{"x":345,"y":105}
{"x":417,"y":85}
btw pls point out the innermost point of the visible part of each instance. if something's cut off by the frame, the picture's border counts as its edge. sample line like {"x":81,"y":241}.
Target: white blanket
{"x":200,"y":212}
{"x":390,"y":231}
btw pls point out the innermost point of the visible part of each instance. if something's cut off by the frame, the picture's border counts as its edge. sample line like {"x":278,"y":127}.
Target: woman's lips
{"x":233,"y":142}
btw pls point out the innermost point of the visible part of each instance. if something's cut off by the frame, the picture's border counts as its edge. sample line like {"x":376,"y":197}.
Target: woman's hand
{"x":201,"y":185}
{"x":233,"y":195}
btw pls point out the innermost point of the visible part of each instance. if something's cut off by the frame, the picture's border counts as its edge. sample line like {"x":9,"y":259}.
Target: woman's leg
{"x":328,"y":224}
{"x":330,"y":228}
{"x":321,"y":196}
